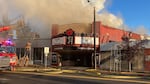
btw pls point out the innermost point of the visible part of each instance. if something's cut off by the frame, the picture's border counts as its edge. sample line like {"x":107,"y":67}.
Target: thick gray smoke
{"x":42,"y":13}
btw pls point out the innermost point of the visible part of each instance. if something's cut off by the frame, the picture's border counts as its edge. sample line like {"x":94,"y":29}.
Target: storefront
{"x":73,"y":49}
{"x":37,"y":50}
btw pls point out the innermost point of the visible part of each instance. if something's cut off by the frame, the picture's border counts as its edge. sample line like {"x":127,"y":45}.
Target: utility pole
{"x":95,"y":63}
{"x":94,"y":58}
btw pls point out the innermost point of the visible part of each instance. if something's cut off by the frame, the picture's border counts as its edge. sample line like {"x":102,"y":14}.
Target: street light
{"x":92,"y":3}
{"x":94,"y":25}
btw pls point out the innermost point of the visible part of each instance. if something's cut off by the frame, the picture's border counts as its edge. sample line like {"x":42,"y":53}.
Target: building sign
{"x":46,"y":50}
{"x":69,"y":32}
{"x":70,"y":40}
{"x":77,"y":39}
{"x":86,"y":40}
{"x":59,"y":41}
{"x":69,"y":37}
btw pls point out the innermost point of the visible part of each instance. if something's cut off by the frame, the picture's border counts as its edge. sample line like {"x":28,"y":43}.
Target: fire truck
{"x":8,"y":58}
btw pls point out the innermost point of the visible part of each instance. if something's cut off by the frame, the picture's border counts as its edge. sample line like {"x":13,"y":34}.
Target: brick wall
{"x":147,"y":59}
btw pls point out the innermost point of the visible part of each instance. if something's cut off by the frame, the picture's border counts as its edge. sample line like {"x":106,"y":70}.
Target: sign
{"x":59,"y":41}
{"x":86,"y":40}
{"x":70,"y":40}
{"x":77,"y":39}
{"x":70,"y":37}
{"x":46,"y":50}
{"x":69,"y":32}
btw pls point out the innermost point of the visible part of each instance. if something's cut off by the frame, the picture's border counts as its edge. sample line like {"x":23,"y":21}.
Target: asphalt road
{"x":13,"y":78}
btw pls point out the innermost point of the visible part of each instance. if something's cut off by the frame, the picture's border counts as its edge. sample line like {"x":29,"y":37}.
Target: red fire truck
{"x":8,"y":58}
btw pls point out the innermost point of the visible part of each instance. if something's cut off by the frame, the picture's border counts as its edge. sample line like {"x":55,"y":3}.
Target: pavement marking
{"x":3,"y":79}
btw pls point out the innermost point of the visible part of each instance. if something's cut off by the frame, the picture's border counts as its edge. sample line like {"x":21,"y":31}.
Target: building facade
{"x":74,"y":43}
{"x":147,"y":56}
{"x":37,"y":55}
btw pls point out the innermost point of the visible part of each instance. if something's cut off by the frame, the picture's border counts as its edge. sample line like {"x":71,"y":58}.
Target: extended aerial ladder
{"x":7,"y":29}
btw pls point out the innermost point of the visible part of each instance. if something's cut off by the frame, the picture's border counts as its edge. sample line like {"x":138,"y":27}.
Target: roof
{"x":115,"y":45}
{"x":34,"y":43}
{"x":147,"y":44}
{"x":109,"y":46}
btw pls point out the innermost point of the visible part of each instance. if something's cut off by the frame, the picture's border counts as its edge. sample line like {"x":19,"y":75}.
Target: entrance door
{"x":38,"y":55}
{"x":77,"y":58}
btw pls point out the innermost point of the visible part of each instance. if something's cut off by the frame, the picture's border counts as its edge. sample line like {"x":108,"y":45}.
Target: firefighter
{"x":26,"y":61}
{"x":60,"y":62}
{"x":13,"y":63}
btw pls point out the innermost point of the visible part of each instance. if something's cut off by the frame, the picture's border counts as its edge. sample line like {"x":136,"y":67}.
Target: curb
{"x":88,"y":72}
{"x":95,"y":74}
{"x":58,"y":71}
{"x":126,"y":74}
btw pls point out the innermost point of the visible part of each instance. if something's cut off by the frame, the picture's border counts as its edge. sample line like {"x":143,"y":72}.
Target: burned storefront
{"x":74,"y":43}
{"x":73,"y":49}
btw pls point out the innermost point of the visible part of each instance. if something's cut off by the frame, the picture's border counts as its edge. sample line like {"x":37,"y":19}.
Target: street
{"x":15,"y":78}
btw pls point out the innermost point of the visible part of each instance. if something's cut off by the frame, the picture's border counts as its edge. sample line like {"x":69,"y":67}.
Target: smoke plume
{"x":111,"y":20}
{"x":141,"y":30}
{"x":42,"y":13}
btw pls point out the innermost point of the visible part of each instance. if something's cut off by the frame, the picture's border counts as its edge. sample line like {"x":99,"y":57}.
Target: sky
{"x":41,"y":14}
{"x":135,"y":13}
